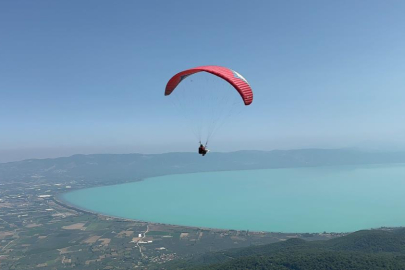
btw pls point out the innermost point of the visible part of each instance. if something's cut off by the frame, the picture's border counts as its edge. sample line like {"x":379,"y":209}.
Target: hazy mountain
{"x":103,"y":168}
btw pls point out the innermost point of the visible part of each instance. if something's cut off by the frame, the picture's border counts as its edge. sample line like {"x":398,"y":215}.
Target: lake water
{"x":332,"y":199}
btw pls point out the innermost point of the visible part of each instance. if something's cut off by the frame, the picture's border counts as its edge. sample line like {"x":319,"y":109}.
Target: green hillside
{"x":374,"y":249}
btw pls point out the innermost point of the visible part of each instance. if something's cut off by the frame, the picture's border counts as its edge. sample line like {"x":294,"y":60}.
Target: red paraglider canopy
{"x":231,"y":76}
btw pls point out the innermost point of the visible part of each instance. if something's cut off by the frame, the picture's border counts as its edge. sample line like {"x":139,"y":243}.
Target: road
{"x":144,"y":235}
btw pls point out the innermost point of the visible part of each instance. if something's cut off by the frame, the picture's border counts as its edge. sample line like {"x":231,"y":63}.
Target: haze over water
{"x":317,"y":199}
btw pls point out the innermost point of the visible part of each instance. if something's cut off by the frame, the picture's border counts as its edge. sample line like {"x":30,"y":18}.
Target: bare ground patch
{"x":77,"y":226}
{"x":92,"y":239}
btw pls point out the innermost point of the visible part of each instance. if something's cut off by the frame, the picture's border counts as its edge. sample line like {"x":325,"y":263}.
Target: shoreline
{"x":65,"y":204}
{"x":57,"y":199}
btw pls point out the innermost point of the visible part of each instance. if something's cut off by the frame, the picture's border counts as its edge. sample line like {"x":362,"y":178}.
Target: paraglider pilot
{"x":201,"y":150}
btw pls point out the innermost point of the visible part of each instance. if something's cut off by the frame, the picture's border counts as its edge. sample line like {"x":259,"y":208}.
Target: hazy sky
{"x":89,"y":76}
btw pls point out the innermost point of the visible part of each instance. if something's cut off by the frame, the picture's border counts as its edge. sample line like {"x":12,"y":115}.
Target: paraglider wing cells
{"x":233,"y":77}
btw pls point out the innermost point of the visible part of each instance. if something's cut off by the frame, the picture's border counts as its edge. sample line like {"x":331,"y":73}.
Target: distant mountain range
{"x":111,"y":168}
{"x":368,"y":250}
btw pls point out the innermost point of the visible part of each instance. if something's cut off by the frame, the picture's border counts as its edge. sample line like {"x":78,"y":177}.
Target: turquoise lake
{"x":317,"y":199}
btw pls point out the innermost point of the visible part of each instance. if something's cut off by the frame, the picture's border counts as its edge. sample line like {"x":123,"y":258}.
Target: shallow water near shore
{"x":316,"y":199}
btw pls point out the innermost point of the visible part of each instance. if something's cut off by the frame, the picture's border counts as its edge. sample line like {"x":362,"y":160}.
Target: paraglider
{"x":214,"y":103}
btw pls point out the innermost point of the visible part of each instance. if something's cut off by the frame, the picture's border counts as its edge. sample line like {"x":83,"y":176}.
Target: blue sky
{"x":89,"y":76}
